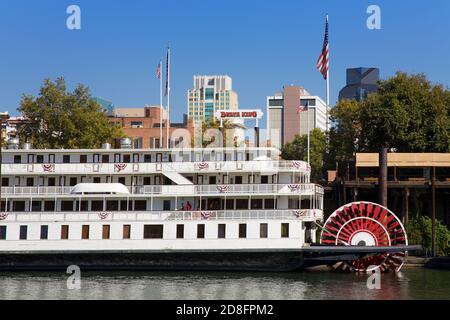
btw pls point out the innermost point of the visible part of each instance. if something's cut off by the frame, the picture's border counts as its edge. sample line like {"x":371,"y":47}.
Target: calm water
{"x":415,"y":283}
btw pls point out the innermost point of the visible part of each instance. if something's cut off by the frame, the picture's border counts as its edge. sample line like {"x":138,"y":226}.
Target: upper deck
{"x":135,"y":161}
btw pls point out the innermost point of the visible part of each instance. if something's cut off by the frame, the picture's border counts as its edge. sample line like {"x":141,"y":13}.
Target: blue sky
{"x":262,"y":45}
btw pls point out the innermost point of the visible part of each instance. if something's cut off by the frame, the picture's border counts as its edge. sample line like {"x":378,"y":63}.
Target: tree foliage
{"x":407,"y":114}
{"x":61,"y":119}
{"x":297,"y":150}
{"x":419,"y":232}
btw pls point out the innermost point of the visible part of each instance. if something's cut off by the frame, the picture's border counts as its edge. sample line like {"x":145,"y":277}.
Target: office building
{"x":210,"y":93}
{"x":360,"y":83}
{"x":284,"y":121}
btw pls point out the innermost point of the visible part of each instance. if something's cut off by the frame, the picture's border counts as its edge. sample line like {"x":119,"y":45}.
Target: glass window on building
{"x":209,"y":94}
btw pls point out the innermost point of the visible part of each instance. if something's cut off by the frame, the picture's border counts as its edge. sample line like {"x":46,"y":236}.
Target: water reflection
{"x":410,"y":284}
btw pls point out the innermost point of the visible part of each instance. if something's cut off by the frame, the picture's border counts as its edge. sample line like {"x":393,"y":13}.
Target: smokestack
{"x":382,"y":179}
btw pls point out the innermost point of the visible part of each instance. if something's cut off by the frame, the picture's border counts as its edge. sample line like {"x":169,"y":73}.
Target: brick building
{"x":142,"y":125}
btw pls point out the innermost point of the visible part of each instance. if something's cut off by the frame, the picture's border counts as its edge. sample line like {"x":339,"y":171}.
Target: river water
{"x":411,"y":283}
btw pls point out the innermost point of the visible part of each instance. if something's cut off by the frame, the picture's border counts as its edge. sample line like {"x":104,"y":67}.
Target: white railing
{"x":128,"y":168}
{"x":182,"y":190}
{"x":293,"y":214}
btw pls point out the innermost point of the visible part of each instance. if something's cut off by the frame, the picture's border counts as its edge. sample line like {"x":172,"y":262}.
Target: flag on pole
{"x":301,"y":108}
{"x":158,"y":70}
{"x":167,"y":71}
{"x":323,"y":62}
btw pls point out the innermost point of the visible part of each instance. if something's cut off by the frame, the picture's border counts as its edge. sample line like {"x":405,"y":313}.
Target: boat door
{"x":159,"y":157}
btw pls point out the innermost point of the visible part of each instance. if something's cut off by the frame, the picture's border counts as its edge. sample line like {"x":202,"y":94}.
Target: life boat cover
{"x":100,"y":188}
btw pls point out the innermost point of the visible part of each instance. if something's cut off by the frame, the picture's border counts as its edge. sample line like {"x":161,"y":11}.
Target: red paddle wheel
{"x":366,"y":224}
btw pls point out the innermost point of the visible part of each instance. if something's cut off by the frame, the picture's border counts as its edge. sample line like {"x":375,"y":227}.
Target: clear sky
{"x":261,"y":44}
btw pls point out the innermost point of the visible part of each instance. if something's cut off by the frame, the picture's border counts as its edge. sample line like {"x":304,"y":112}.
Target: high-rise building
{"x":284,"y":120}
{"x":210,"y":93}
{"x":360,"y":83}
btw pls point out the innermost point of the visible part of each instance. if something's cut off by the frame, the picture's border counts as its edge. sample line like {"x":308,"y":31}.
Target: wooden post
{"x":382,"y":179}
{"x":405,"y":206}
{"x":433,"y":213}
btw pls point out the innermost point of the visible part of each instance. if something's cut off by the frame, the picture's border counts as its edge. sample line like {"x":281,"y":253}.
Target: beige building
{"x":210,"y":93}
{"x":284,"y":121}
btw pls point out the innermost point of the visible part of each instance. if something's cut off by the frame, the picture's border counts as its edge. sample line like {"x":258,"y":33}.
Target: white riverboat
{"x":174,"y":209}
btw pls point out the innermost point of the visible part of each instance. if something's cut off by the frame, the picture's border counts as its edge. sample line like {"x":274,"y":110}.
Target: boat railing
{"x":154,"y":167}
{"x":285,"y":189}
{"x":105,"y":216}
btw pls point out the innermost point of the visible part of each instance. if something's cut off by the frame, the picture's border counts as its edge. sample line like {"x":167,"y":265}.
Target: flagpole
{"x":168,"y":98}
{"x":160,"y":106}
{"x":328,"y":85}
{"x":307,"y":128}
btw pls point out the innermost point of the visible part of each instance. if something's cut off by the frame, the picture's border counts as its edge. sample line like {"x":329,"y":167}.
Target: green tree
{"x":419,"y":232}
{"x":409,"y":114}
{"x":298,"y":150}
{"x":61,"y":119}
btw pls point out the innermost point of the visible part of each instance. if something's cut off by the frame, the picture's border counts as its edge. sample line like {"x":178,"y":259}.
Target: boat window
{"x":51,"y":182}
{"x":147,"y":181}
{"x":5,"y":182}
{"x":230,"y":204}
{"x":97,"y":205}
{"x":83,"y":158}
{"x":243,"y":230}
{"x":30,"y":182}
{"x":106,"y":232}
{"x":23,"y":232}
{"x":49,"y":206}
{"x":148,"y":158}
{"x":112,"y":205}
{"x":66,"y":158}
{"x":105,"y":158}
{"x":238,"y":180}
{"x":116,"y":158}
{"x":136,"y":158}
{"x":51,"y":158}
{"x":17,"y":159}
{"x":140,"y":205}
{"x":263,"y":230}
{"x":221,"y":231}
{"x":127,"y":231}
{"x":97,"y":179}
{"x":257,"y":203}
{"x":36,"y":206}
{"x":153,"y":231}
{"x":66,"y":205}
{"x":85,"y":232}
{"x":213,"y":180}
{"x":64,"y":232}
{"x":201,"y":231}
{"x":126,"y":158}
{"x":269,"y":203}
{"x":264,"y":179}
{"x":73,"y":181}
{"x":19,"y":206}
{"x":166,"y":205}
{"x":96,"y":158}
{"x":30,"y":158}
{"x":159,"y":157}
{"x":180,"y":231}
{"x":242,"y":204}
{"x":17,"y":181}
{"x":44,"y":232}
{"x":40,"y":159}
{"x":285,"y":230}
{"x":2,"y":232}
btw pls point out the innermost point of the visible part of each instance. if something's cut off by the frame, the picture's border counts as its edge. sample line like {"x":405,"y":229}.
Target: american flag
{"x":322,"y":62}
{"x":301,"y":108}
{"x":158,"y":70}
